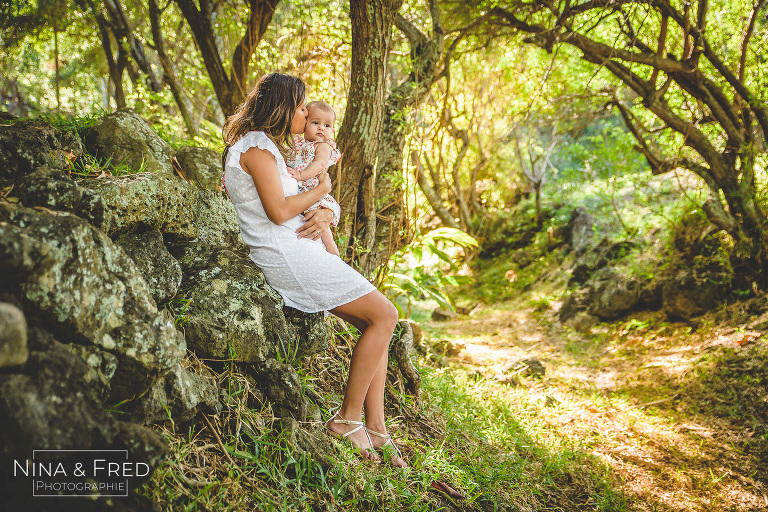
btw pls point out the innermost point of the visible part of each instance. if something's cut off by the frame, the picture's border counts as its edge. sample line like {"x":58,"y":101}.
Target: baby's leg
{"x":330,"y":245}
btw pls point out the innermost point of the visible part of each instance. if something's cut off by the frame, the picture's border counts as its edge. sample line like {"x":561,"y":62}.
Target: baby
{"x":315,"y":152}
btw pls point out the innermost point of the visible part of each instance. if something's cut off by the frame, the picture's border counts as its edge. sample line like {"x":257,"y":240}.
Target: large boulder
{"x":54,"y":189}
{"x":126,"y":140}
{"x":147,"y":200}
{"x":202,"y":166}
{"x":159,"y":269}
{"x":47,"y":404}
{"x":216,"y":221}
{"x":580,"y":230}
{"x":178,"y":396}
{"x":13,"y":335}
{"x":26,"y":145}
{"x":232,"y":313}
{"x":689,"y":294}
{"x":612,"y":294}
{"x":87,"y":291}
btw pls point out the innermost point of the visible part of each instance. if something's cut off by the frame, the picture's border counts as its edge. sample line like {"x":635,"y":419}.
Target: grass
{"x":475,"y":435}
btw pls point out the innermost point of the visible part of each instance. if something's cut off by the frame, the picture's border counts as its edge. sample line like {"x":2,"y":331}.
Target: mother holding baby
{"x":284,"y":236}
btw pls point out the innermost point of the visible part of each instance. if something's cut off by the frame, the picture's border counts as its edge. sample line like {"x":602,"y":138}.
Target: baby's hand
{"x":294,"y":173}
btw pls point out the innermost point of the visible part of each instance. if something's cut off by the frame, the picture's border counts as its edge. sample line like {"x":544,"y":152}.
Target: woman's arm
{"x":316,"y":166}
{"x":262,"y":167}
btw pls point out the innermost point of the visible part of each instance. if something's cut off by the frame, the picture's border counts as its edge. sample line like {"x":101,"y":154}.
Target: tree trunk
{"x":358,"y":138}
{"x":230,"y":91}
{"x":169,"y":73}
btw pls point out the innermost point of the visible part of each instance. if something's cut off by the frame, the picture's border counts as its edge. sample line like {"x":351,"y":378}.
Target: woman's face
{"x":299,"y":120}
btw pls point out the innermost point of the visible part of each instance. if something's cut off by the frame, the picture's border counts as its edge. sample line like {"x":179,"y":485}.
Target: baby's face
{"x":319,"y":125}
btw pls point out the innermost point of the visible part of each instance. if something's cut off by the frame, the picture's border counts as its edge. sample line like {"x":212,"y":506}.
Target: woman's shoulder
{"x":255,"y":139}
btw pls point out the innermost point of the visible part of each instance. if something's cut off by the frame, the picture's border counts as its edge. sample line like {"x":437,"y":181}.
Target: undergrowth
{"x":467,"y":432}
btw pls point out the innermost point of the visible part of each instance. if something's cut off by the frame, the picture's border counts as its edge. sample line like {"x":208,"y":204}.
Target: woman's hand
{"x":315,"y":223}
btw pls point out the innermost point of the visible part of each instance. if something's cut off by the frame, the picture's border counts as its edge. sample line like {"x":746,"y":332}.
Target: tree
{"x":684,"y":75}
{"x":360,"y":131}
{"x":231,"y":88}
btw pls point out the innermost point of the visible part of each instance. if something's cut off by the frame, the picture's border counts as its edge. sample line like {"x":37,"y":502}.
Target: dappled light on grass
{"x":677,"y":411}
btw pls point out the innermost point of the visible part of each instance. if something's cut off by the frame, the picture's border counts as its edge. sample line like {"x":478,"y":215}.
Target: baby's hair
{"x":322,"y":106}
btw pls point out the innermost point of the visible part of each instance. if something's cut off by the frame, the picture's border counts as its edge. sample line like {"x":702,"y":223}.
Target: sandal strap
{"x":388,"y":442}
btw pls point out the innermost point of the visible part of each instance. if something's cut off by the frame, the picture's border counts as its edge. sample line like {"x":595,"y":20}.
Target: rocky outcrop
{"x":689,"y":294}
{"x":13,"y":335}
{"x":26,"y":145}
{"x":89,"y":292}
{"x":178,"y":396}
{"x":160,"y":270}
{"x":231,"y":313}
{"x":202,"y":166}
{"x":125,"y":140}
{"x":84,"y":264}
{"x":147,"y":200}
{"x":48,"y":404}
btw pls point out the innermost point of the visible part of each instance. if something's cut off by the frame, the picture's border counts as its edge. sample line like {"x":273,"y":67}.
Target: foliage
{"x":421,"y":269}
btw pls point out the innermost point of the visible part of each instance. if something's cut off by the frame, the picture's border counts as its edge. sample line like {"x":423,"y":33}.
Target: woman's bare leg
{"x":374,"y":410}
{"x":378,"y":317}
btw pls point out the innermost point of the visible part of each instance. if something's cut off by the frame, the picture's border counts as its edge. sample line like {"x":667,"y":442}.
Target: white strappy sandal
{"x":388,"y":442}
{"x":345,"y":435}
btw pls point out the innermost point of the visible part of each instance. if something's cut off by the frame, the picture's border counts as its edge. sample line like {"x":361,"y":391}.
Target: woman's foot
{"x":354,"y":432}
{"x":383,"y":442}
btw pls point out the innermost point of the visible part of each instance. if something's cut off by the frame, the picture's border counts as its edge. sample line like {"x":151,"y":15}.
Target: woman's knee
{"x":389,"y":314}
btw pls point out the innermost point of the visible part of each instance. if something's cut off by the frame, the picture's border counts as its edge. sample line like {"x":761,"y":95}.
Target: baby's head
{"x":320,"y":119}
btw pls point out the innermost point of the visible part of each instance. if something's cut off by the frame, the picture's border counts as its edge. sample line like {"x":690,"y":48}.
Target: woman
{"x":287,"y":248}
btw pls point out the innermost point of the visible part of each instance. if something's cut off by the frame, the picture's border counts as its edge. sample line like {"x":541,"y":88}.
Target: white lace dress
{"x":308,"y":277}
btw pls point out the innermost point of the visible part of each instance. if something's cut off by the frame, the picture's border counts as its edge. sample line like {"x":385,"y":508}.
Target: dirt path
{"x":678,"y":412}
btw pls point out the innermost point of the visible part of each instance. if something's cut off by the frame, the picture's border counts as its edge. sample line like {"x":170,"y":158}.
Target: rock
{"x":232,"y":312}
{"x":87,"y":291}
{"x":13,"y":335}
{"x":142,"y":201}
{"x":160,"y":270}
{"x":143,"y":445}
{"x":101,"y":364}
{"x":311,"y":442}
{"x":26,"y":145}
{"x":573,"y":304}
{"x":688,"y":295}
{"x":308,"y":333}
{"x":441,"y":315}
{"x":522,"y":258}
{"x":56,"y":190}
{"x":596,"y":257}
{"x":125,"y":139}
{"x":530,"y":366}
{"x":202,"y":166}
{"x":216,"y":221}
{"x":611,"y":294}
{"x":580,"y":229}
{"x":582,"y":321}
{"x":282,"y":387}
{"x":39,"y":413}
{"x":48,"y":405}
{"x":180,"y":394}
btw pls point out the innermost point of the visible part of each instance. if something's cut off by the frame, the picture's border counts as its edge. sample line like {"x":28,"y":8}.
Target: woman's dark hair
{"x":269,"y":107}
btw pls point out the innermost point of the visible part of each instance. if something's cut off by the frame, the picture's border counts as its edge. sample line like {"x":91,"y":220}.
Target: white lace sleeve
{"x":254,"y":140}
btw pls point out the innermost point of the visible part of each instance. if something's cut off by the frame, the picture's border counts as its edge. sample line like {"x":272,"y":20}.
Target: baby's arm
{"x":316,"y":166}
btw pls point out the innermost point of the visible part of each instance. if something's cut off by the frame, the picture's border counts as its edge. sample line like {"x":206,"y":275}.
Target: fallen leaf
{"x":441,"y":486}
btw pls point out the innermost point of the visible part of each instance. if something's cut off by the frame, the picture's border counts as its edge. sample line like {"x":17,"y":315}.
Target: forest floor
{"x":677,"y":411}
